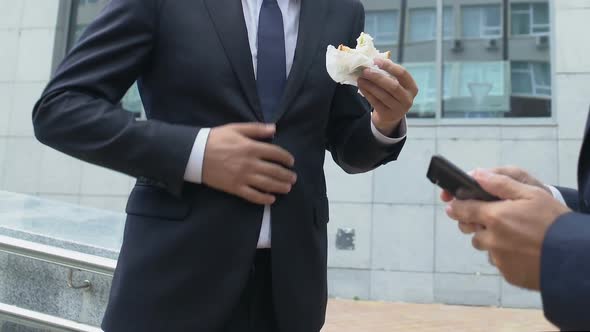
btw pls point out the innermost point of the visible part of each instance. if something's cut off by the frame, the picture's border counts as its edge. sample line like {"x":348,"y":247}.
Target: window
{"x":475,"y":89}
{"x":425,"y":76}
{"x":489,"y":74}
{"x":482,"y":21}
{"x":485,"y":73}
{"x":531,"y":79}
{"x":481,"y":78}
{"x":423,"y":24}
{"x":83,"y":13}
{"x":529,"y":19}
{"x":448,"y":22}
{"x":383,"y":26}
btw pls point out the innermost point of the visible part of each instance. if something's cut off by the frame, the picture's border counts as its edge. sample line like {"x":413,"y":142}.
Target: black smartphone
{"x":454,"y":180}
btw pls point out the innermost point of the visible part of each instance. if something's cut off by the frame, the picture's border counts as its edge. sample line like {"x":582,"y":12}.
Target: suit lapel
{"x":228,"y":18}
{"x":309,"y":37}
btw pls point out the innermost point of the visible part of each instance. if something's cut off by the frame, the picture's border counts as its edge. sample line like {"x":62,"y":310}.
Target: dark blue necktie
{"x":271,"y":76}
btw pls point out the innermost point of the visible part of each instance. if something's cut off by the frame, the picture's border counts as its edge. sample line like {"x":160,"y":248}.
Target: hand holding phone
{"x":454,"y":180}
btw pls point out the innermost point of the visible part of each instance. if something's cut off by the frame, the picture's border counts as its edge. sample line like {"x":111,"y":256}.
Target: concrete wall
{"x":28,"y":31}
{"x":405,"y":248}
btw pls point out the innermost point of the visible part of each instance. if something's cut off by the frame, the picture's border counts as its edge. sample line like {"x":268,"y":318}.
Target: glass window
{"x":418,"y":53}
{"x":489,"y":74}
{"x":480,"y":77}
{"x":383,"y":26}
{"x":482,"y":21}
{"x":415,"y":49}
{"x":425,"y":76}
{"x":422,"y":26}
{"x":448,"y":22}
{"x":83,"y":13}
{"x":486,"y":71}
{"x":529,"y":19}
{"x":531,"y":79}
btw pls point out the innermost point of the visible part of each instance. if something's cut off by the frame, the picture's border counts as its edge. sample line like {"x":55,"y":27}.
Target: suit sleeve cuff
{"x":399,"y":134}
{"x":565,"y":290}
{"x":556,"y":194}
{"x":194,"y":167}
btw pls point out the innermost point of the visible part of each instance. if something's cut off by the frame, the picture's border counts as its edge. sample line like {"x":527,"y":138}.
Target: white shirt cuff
{"x":401,"y":132}
{"x":194,"y":167}
{"x":556,"y":194}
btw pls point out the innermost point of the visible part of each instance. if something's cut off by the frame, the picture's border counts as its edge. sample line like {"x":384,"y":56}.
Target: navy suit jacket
{"x":187,"y":249}
{"x":565,"y":260}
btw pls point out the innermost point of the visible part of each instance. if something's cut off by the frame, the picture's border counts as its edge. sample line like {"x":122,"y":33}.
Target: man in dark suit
{"x":240,"y":111}
{"x":538,"y":236}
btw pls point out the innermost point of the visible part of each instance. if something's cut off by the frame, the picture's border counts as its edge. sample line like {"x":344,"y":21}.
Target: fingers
{"x":254,"y":130}
{"x":482,"y":215}
{"x":464,"y":211}
{"x":468,"y":228}
{"x":387,"y":89}
{"x":252,"y":195}
{"x":483,"y":240}
{"x":446,"y":196}
{"x":522,"y":176}
{"x":516,"y":173}
{"x":236,"y":162}
{"x":269,"y":184}
{"x":274,"y":153}
{"x":399,"y":72}
{"x":501,"y":186}
{"x":477,"y":243}
{"x":275,"y":171}
{"x":373,"y":100}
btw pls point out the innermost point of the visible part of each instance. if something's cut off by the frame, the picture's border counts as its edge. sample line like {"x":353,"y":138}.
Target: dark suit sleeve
{"x":78,"y":112}
{"x":350,"y":140}
{"x":565,"y":272}
{"x":571,"y":197}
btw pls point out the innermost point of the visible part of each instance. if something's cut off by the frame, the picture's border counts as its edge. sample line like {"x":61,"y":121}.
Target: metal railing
{"x":58,"y":256}
{"x":38,"y":320}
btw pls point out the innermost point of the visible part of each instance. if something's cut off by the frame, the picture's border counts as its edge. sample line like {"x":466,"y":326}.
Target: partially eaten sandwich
{"x":345,"y":64}
{"x":366,"y":46}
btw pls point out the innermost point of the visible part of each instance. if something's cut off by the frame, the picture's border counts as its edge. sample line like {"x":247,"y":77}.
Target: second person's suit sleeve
{"x":571,"y":197}
{"x":79,"y":112}
{"x":350,"y":139}
{"x":565,"y":272}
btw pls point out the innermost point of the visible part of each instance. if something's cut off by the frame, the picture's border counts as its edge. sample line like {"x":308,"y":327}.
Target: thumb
{"x":255,"y":129}
{"x":501,"y":186}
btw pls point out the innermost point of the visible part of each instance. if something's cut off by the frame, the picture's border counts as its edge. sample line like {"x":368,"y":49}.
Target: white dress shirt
{"x":556,"y":194}
{"x":290,"y":10}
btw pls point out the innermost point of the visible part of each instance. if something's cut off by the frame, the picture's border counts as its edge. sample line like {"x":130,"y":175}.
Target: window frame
{"x":61,"y":47}
{"x":451,"y":30}
{"x":482,"y":21}
{"x":395,"y":26}
{"x":440,"y":121}
{"x":530,"y":71}
{"x":530,"y":11}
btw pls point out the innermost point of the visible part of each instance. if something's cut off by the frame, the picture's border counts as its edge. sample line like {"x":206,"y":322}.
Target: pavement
{"x":353,"y":316}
